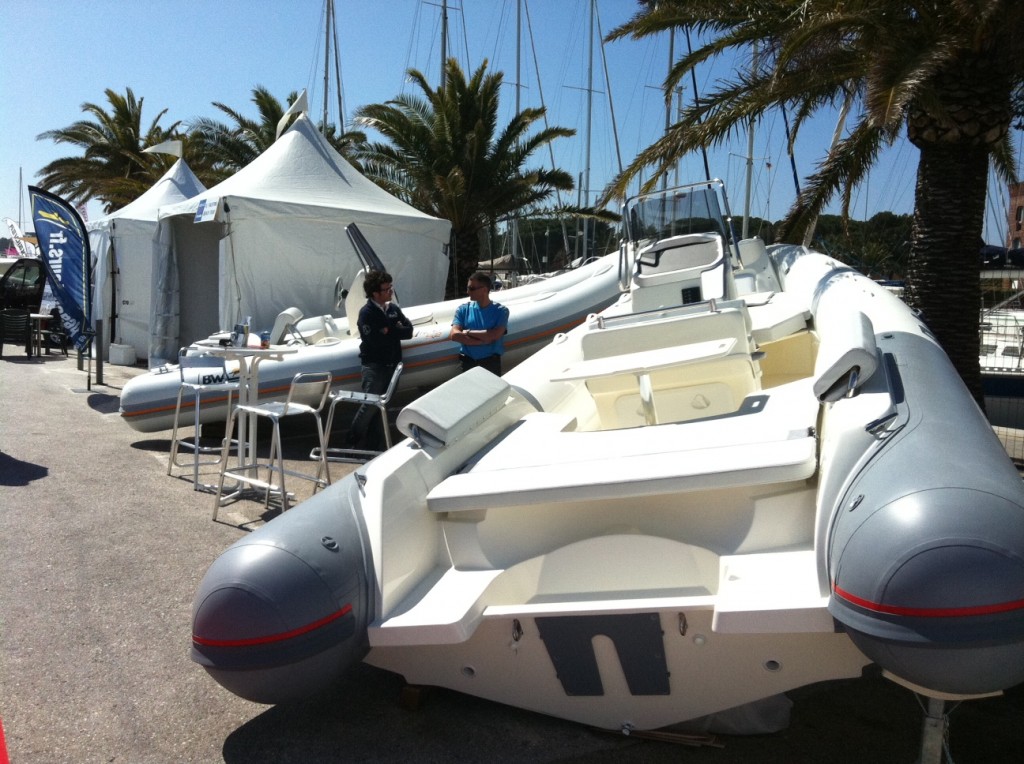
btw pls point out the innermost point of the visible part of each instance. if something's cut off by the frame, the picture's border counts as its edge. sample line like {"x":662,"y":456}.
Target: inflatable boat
{"x":755,"y":471}
{"x":537,"y":312}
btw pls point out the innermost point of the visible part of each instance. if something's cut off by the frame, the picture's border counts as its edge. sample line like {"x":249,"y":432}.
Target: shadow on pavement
{"x":15,"y":472}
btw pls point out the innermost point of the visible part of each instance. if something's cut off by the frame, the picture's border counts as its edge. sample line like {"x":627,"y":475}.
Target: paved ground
{"x":100,"y":553}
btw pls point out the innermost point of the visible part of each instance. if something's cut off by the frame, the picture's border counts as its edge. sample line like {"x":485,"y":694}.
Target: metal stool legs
{"x":193,"y":442}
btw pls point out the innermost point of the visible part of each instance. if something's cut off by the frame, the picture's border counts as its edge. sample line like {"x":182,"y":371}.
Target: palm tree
{"x":113,"y":169}
{"x":446,"y":157}
{"x":226,"y":149}
{"x":947,"y":72}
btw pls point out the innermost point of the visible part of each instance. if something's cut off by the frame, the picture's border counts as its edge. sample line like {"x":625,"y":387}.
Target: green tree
{"x":112,"y":170}
{"x":946,"y":72}
{"x":224,"y":148}
{"x":444,"y":155}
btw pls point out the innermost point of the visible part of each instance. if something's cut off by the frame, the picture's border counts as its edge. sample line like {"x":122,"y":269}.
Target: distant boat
{"x":537,"y":312}
{"x":1002,"y":366}
{"x":755,"y":471}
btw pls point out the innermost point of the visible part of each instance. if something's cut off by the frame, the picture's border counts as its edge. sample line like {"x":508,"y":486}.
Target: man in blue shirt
{"x":480,"y":326}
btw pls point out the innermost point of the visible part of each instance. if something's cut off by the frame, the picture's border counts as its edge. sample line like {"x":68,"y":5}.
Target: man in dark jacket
{"x":382,"y":327}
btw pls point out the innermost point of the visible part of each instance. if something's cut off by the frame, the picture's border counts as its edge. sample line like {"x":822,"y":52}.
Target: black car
{"x":22,"y":285}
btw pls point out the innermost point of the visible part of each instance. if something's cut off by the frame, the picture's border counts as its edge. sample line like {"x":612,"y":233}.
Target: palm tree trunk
{"x":467,"y":255}
{"x":943,"y":268}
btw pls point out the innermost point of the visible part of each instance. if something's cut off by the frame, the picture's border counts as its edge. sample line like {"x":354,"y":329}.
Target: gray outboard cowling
{"x":282,"y":613}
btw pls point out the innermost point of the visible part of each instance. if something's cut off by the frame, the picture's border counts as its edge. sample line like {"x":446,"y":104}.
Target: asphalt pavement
{"x":101,"y":552}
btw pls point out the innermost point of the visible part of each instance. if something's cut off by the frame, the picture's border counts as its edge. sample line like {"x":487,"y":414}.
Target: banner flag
{"x":64,"y":250}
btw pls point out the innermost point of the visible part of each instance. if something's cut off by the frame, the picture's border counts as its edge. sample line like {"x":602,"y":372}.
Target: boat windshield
{"x":697,"y":208}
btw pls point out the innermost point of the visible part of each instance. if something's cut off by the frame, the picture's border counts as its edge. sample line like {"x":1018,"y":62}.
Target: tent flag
{"x":64,"y":247}
{"x":167,"y":147}
{"x":300,"y":106}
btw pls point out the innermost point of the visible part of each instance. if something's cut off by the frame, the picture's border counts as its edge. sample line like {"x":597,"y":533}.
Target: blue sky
{"x":182,"y":55}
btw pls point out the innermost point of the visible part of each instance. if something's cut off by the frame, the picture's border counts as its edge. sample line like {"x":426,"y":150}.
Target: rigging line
{"x":329,"y":13}
{"x":409,"y":49}
{"x":608,"y":86}
{"x":342,"y":121}
{"x":465,"y":34}
{"x":696,"y":103}
{"x":789,"y":150}
{"x":314,"y":64}
{"x":540,"y":92}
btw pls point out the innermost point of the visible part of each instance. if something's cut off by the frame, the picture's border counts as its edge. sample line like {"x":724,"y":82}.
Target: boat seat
{"x":775,"y":315}
{"x":447,"y":413}
{"x":679,"y":270}
{"x":770,"y":441}
{"x":680,"y":394}
{"x":286,"y":322}
{"x":758,"y":271}
{"x":316,"y":328}
{"x":727,"y":320}
{"x":682,"y":385}
{"x":847,"y":355}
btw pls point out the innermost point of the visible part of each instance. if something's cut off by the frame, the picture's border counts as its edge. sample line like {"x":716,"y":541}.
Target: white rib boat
{"x":537,"y":312}
{"x":757,"y":470}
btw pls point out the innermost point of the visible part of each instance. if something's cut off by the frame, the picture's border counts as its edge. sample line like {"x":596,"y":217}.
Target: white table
{"x":643,"y":362}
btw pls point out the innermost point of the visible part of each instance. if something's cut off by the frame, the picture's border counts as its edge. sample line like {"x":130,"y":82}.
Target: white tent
{"x":273,"y":236}
{"x":122,"y":250}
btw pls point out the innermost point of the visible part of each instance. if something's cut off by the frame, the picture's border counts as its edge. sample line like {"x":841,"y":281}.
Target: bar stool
{"x":306,"y":386}
{"x":360,"y":398}
{"x":200,"y":375}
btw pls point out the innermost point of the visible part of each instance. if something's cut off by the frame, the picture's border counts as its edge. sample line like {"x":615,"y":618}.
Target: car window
{"x":22,"y":285}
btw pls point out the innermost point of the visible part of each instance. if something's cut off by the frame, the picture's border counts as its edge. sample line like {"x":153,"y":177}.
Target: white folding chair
{"x":200,"y":375}
{"x":360,"y":398}
{"x":306,"y":386}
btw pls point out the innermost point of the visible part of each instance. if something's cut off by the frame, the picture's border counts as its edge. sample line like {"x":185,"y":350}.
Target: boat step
{"x":771,"y":592}
{"x":445,"y":609}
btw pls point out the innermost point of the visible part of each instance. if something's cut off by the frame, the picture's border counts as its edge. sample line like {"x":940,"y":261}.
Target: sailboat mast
{"x":444,"y":40}
{"x":519,"y":85}
{"x":668,"y":97}
{"x":585,"y":249}
{"x":327,"y":59}
{"x":836,"y":135}
{"x":750,"y":160}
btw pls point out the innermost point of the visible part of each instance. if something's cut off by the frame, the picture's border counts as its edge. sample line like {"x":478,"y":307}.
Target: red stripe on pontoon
{"x":271,"y":638}
{"x":931,"y":612}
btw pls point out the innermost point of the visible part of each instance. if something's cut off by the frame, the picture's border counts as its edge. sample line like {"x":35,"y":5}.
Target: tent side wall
{"x":280,"y":255}
{"x":132,"y":243}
